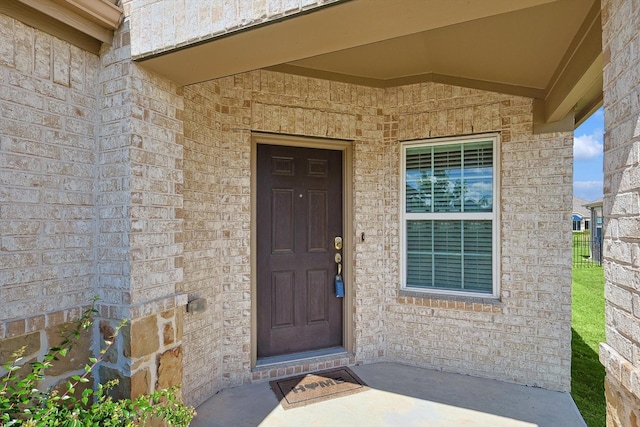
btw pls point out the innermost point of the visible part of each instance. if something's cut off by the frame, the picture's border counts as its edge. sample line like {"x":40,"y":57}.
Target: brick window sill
{"x":456,"y":302}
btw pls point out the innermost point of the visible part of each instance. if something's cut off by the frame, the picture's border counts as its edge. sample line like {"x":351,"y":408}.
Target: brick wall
{"x":621,"y":353}
{"x":48,"y":104}
{"x":48,"y":101}
{"x":140,"y":187}
{"x":159,"y":25}
{"x":205,"y":231}
{"x":219,"y":118}
{"x":524,"y":338}
{"x":113,"y":185}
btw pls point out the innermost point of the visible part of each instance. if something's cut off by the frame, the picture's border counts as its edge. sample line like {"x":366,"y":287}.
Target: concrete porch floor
{"x":399,"y":396}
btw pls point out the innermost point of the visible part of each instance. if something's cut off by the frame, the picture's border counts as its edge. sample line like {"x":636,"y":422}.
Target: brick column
{"x":621,"y":353}
{"x":139,"y":232}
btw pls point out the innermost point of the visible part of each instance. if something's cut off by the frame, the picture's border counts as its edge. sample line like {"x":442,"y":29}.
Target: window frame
{"x":494,"y":216}
{"x":577,"y":223}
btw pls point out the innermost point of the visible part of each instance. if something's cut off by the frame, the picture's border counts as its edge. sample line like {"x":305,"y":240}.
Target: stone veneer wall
{"x":37,"y":342}
{"x":524,"y":338}
{"x":160,"y":25}
{"x":621,"y":353}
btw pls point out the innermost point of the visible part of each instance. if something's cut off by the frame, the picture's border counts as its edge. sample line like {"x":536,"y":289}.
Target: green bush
{"x":22,"y":403}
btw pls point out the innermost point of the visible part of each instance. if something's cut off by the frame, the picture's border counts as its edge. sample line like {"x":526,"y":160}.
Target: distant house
{"x":595,"y":213}
{"x":581,"y":216}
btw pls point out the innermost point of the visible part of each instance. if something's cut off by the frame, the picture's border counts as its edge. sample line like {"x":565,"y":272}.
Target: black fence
{"x":587,"y":250}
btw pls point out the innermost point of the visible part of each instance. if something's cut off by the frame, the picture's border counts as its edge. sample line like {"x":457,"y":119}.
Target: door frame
{"x":346,"y":147}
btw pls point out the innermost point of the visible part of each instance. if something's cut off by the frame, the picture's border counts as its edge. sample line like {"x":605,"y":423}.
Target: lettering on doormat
{"x":311,"y":388}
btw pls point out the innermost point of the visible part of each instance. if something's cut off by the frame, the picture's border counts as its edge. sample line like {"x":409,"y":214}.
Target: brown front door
{"x":299,"y":213}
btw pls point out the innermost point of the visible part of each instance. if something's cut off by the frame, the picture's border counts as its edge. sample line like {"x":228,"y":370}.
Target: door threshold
{"x":295,"y":357}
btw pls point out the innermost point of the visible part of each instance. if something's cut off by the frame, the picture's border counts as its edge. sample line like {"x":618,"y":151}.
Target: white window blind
{"x":448,"y":218}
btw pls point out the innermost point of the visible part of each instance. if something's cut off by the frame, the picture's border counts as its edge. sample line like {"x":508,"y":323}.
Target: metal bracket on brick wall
{"x":197,"y":305}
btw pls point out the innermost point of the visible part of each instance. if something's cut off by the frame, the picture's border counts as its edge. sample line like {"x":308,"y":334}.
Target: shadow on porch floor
{"x":399,"y":396}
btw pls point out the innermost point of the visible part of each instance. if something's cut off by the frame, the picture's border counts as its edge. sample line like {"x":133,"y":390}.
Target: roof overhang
{"x":549,"y":50}
{"x":576,"y":84}
{"x":594,"y":204}
{"x":83,"y":23}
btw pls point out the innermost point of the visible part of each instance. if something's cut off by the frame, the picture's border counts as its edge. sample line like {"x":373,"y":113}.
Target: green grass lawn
{"x":587,"y":374}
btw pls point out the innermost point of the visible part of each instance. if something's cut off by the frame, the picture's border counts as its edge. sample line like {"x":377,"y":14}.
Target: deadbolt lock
{"x":337,"y":243}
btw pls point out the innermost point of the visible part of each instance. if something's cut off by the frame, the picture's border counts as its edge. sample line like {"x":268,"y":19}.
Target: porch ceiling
{"x":546,"y":49}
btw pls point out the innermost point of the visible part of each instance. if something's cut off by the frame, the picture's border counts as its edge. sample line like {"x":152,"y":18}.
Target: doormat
{"x":303,"y":390}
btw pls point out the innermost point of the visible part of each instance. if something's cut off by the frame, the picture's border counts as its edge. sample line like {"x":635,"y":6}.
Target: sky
{"x":587,"y":157}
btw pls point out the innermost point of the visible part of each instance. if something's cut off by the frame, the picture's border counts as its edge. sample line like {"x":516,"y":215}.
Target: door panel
{"x":317,"y":297}
{"x":299,"y":212}
{"x":317,"y":221}
{"x":282,"y":221}
{"x":282,"y":298}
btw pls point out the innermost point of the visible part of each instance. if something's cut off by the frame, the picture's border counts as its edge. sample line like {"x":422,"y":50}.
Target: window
{"x":577,"y":222}
{"x":450,"y":216}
